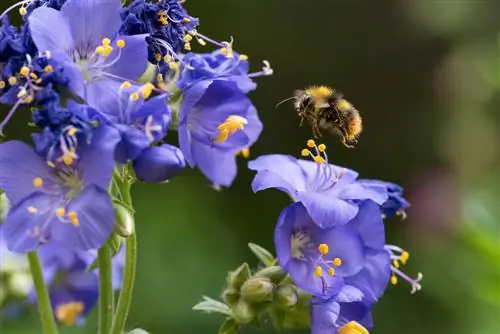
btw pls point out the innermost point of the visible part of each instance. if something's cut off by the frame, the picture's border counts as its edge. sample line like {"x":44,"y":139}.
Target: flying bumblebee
{"x":326,"y":109}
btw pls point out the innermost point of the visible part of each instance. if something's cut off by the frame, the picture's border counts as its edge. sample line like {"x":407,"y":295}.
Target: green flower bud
{"x":236,"y":278}
{"x":230,"y":296}
{"x":124,"y":222}
{"x":257,"y":290}
{"x":243,"y":312}
{"x":286,"y":296}
{"x":274,"y":273}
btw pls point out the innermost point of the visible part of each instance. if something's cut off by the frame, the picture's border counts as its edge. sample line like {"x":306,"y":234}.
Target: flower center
{"x":299,"y":241}
{"x":68,"y":313}
{"x":232,"y":124}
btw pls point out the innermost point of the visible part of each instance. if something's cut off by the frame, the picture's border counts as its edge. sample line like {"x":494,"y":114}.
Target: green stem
{"x":105,"y":290}
{"x":44,"y":307}
{"x":125,"y":298}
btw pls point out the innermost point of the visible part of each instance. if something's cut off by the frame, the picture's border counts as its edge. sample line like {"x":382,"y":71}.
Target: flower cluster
{"x":333,"y":263}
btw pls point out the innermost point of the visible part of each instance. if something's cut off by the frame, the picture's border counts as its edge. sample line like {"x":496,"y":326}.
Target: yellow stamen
{"x":232,"y":124}
{"x":395,"y":263}
{"x":51,"y":164}
{"x":72,"y":131}
{"x":353,"y":327}
{"x":37,"y":182}
{"x":305,"y":152}
{"x":2,"y":84}
{"x":186,"y":19}
{"x":24,"y":71}
{"x":245,"y":152}
{"x":23,"y":11}
{"x":120,"y":43}
{"x":106,"y":41}
{"x":48,"y":69}
{"x":12,"y":81}
{"x":158,"y":56}
{"x":161,"y":16}
{"x":404,"y":257}
{"x":68,"y":314}
{"x":394,"y":280}
{"x":67,"y":159}
{"x":322,"y":147}
{"x":331,"y":272}
{"x":32,"y":209}
{"x":146,"y":90}
{"x":60,"y":212}
{"x":318,"y":271}
{"x":159,"y":77}
{"x":187,"y":46}
{"x":167,"y":59}
{"x":134,"y":96}
{"x":188,"y":38}
{"x":223,"y":51}
{"x":243,"y":57}
{"x":125,"y":85}
{"x":33,"y":76}
{"x":337,"y":262}
{"x":319,"y":159}
{"x":73,"y":218}
{"x":323,"y":249}
{"x":311,"y":143}
{"x":173,"y":65}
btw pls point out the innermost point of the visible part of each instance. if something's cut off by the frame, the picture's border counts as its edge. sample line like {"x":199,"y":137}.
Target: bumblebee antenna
{"x":283,"y":101}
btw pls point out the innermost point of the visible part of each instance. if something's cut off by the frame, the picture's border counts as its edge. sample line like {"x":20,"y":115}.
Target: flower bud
{"x":257,"y":290}
{"x":159,"y":163}
{"x":286,"y":296}
{"x":243,"y":313}
{"x":124,"y":222}
{"x":230,"y":296}
{"x":236,"y":278}
{"x":274,"y":273}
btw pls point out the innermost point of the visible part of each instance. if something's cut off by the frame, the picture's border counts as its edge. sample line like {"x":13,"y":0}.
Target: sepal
{"x":210,"y":305}
{"x":262,"y":254}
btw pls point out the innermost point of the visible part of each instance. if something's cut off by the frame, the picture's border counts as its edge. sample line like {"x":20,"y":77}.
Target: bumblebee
{"x":326,"y":109}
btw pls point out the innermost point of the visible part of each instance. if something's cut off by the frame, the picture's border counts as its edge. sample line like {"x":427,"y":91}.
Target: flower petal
{"x":355,"y":191}
{"x":357,"y":311}
{"x":324,"y":317}
{"x":133,"y":58}
{"x":265,"y":180}
{"x":50,"y":32}
{"x":185,"y":141}
{"x":349,"y":294}
{"x":191,"y":97}
{"x":370,"y":226}
{"x":103,"y":94}
{"x":92,"y":20}
{"x":219,"y":166}
{"x":327,"y":211}
{"x":27,"y":225}
{"x":96,"y":162}
{"x":19,"y":166}
{"x":345,"y":175}
{"x":254,"y":127}
{"x":133,"y":142}
{"x":94,"y":211}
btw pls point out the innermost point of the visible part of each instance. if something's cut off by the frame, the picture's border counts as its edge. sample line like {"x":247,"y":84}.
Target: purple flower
{"x":216,"y":120}
{"x":83,"y":37}
{"x":349,"y":258}
{"x":159,"y":163}
{"x":64,"y":200}
{"x":338,"y":316}
{"x":396,"y":204}
{"x":328,"y":192}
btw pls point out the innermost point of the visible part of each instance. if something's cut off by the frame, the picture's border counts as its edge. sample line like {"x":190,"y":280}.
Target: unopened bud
{"x":230,"y":296}
{"x":257,"y":290}
{"x":243,"y":313}
{"x":124,"y":222}
{"x":236,"y":278}
{"x":286,"y":296}
{"x":274,"y":273}
{"x":159,"y":163}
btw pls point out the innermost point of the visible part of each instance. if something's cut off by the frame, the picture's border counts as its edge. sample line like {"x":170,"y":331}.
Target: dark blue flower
{"x":159,"y":163}
{"x":166,"y":22}
{"x":83,"y":37}
{"x":396,"y":204}
{"x":64,"y":200}
{"x":349,"y":258}
{"x":329,"y":193}
{"x":336,"y":315}
{"x":216,"y":120}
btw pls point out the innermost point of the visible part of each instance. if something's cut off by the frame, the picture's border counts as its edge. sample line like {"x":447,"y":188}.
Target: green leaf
{"x":229,"y":327}
{"x":262,"y":254}
{"x":210,"y":305}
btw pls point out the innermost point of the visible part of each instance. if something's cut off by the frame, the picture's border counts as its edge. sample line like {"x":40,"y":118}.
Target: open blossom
{"x":216,"y":120}
{"x":83,"y":37}
{"x":324,"y":261}
{"x":396,"y":204}
{"x":64,"y":200}
{"x":329,"y":193}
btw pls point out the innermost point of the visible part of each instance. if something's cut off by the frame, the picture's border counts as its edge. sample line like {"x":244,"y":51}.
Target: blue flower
{"x":329,"y":193}
{"x":159,"y":163}
{"x":83,"y":37}
{"x":396,"y":204}
{"x":349,"y":258}
{"x":216,"y":120}
{"x":64,"y":200}
{"x":166,"y":22}
{"x":140,"y":120}
{"x":336,"y":315}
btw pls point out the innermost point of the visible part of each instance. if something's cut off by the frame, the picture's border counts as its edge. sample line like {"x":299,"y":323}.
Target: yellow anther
{"x":37,"y":182}
{"x":353,"y":327}
{"x":245,"y":152}
{"x":134,"y":96}
{"x":48,"y":69}
{"x":186,"y":19}
{"x":319,"y":159}
{"x":22,"y":93}
{"x":67,"y":314}
{"x":72,"y":131}
{"x":2,"y":84}
{"x":331,"y":272}
{"x":73,"y":218}
{"x":146,"y":90}
{"x":12,"y":81}
{"x":311,"y":143}
{"x":394,"y":280}
{"x":107,"y":50}
{"x":24,"y":71}
{"x":232,"y":124}
{"x":322,"y":147}
{"x":125,"y":85}
{"x":395,"y":263}
{"x":201,"y":41}
{"x":106,"y":41}
{"x":32,"y":209}
{"x":51,"y":164}
{"x":159,"y":77}
{"x":28,"y":99}
{"x":323,"y":249}
{"x":243,"y":57}
{"x":305,"y":152}
{"x":188,"y":38}
{"x":223,"y":51}
{"x":158,"y":56}
{"x":167,"y":59}
{"x":162,"y":17}
{"x":318,"y":271}
{"x":60,"y":212}
{"x":100,"y":50}
{"x":187,"y":46}
{"x":67,"y":159}
{"x":120,"y":43}
{"x":23,"y":11}
{"x":337,"y":262}
{"x":404,"y":257}
{"x":33,"y":76}
{"x":173,"y":65}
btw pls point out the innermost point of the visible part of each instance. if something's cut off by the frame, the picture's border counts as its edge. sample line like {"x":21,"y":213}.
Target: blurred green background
{"x":426,"y":77}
